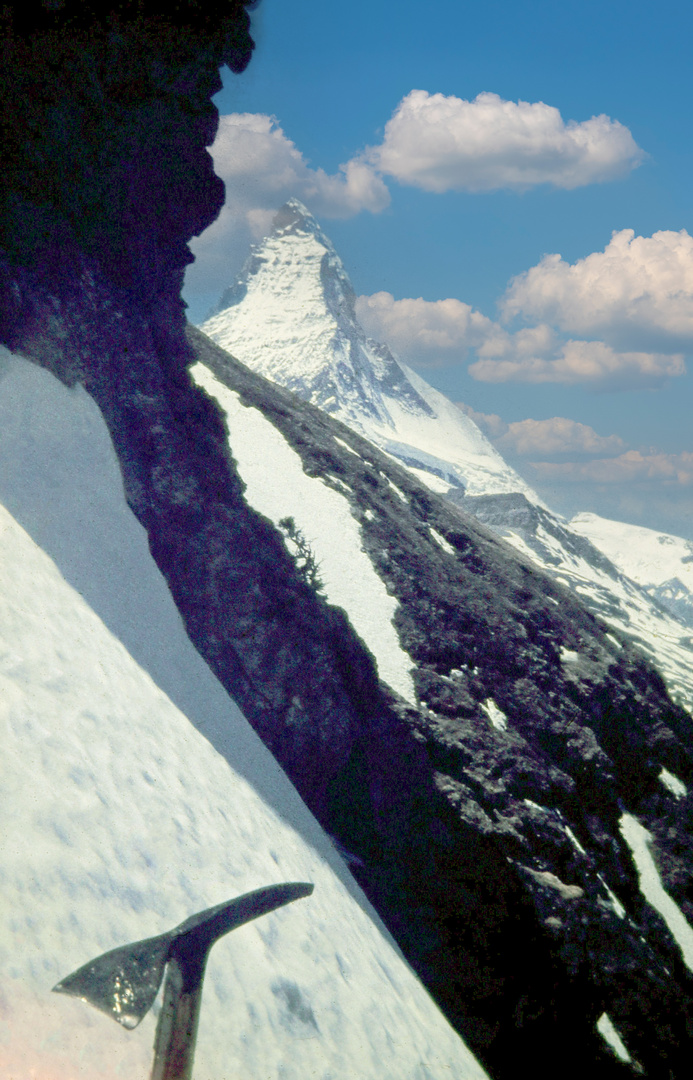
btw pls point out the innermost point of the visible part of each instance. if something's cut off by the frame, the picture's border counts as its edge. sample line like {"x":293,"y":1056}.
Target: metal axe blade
{"x":124,"y":982}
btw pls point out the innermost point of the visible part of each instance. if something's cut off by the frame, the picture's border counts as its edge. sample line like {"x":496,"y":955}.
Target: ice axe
{"x":125,"y":981}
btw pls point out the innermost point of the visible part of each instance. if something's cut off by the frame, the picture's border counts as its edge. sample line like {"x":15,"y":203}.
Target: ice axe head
{"x":125,"y":981}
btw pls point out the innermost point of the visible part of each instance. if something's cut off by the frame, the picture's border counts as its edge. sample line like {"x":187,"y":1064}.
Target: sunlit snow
{"x":495,"y":715}
{"x":441,"y":541}
{"x":615,"y":902}
{"x":277,"y":487}
{"x":645,"y":555}
{"x":672,"y":783}
{"x":608,"y":1032}
{"x":119,"y":820}
{"x":637,"y":837}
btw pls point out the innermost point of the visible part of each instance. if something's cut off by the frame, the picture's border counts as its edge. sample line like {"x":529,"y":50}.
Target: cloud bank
{"x":629,"y":468}
{"x":544,"y":438}
{"x":634,"y":300}
{"x":441,"y":143}
{"x":426,"y":332}
{"x":584,"y":363}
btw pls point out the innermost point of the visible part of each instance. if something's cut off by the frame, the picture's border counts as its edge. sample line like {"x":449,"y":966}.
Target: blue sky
{"x":575,"y":365}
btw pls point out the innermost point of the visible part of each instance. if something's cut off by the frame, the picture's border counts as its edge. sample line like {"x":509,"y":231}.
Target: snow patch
{"x":615,"y":902}
{"x":569,"y":656}
{"x":398,"y":492}
{"x":495,"y":715}
{"x":441,"y":541}
{"x":574,"y":840}
{"x":277,"y":487}
{"x":431,"y":480}
{"x":672,"y":783}
{"x":609,"y":1033}
{"x":638,"y":838}
{"x":346,"y":446}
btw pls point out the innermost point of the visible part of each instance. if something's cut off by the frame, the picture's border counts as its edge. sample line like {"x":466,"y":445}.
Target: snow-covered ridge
{"x":119,"y":820}
{"x":660,"y":562}
{"x":290,"y":317}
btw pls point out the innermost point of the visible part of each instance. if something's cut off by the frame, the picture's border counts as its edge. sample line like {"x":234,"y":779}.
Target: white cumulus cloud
{"x":637,"y":293}
{"x":441,"y":143}
{"x":557,"y":435}
{"x":263,"y":168}
{"x":590,"y":363}
{"x":427,"y":332}
{"x":544,"y":438}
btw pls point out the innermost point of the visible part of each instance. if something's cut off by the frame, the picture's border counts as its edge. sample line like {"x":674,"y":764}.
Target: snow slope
{"x":290,"y":317}
{"x":661,"y":563}
{"x":119,"y":820}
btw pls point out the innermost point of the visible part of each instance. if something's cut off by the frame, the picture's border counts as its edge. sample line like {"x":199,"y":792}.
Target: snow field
{"x":283,"y":314}
{"x":621,"y":604}
{"x":120,"y":820}
{"x":277,"y":487}
{"x":645,"y":555}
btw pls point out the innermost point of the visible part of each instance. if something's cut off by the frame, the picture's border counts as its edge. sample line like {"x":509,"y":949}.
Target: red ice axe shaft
{"x":125,"y":981}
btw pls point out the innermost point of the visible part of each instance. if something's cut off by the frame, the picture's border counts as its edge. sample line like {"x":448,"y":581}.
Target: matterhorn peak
{"x":294,"y":217}
{"x":290,"y":316}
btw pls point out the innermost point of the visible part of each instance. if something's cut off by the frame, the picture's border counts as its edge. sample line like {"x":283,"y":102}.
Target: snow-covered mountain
{"x":290,"y":317}
{"x":121,"y":818}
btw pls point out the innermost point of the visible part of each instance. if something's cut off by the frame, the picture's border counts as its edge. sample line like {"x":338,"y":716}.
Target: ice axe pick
{"x":124,"y":982}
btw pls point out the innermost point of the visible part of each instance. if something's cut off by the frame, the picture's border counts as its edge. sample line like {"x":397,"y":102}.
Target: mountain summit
{"x":290,"y":316}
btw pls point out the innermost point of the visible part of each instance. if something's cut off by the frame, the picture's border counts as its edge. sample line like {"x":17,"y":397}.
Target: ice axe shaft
{"x":176,"y":1031}
{"x":124,"y":982}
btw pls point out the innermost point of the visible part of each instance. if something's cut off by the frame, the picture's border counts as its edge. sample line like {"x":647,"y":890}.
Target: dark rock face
{"x":483,"y":823}
{"x":105,"y":114}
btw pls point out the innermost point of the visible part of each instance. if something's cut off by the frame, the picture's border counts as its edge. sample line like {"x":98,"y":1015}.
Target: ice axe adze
{"x":124,"y":982}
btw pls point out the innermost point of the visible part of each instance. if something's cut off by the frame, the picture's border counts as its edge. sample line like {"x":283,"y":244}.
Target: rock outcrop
{"x":483,"y":822}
